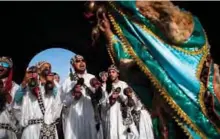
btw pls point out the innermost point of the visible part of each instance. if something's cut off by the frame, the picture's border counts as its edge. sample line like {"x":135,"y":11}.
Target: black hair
{"x":54,"y":73}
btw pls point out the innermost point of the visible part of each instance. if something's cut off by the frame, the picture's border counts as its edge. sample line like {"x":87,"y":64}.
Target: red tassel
{"x":36,"y":91}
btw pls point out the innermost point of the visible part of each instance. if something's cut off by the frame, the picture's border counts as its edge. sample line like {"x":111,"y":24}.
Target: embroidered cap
{"x":75,"y":58}
{"x":41,"y":63}
{"x":113,"y":67}
{"x":7,"y":60}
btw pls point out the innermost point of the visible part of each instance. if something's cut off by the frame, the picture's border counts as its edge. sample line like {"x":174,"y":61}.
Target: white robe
{"x":7,"y":118}
{"x":31,"y":110}
{"x":79,"y":119}
{"x":115,"y":127}
{"x":145,"y":123}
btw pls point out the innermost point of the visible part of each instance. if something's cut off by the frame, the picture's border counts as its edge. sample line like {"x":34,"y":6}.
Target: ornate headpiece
{"x":32,"y":68}
{"x":113,"y":67}
{"x":7,"y":60}
{"x":74,"y":58}
{"x":103,"y":73}
{"x":41,"y":63}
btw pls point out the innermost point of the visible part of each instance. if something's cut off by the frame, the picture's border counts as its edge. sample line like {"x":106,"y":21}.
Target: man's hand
{"x":105,"y":27}
{"x":26,"y":79}
{"x":94,"y":82}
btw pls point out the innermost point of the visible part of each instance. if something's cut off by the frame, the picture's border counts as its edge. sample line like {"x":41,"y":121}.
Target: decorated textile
{"x":180,"y":70}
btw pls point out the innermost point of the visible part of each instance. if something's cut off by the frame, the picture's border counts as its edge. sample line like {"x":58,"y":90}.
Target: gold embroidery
{"x":196,"y":52}
{"x":110,"y":49}
{"x":153,"y":79}
{"x":183,"y":128}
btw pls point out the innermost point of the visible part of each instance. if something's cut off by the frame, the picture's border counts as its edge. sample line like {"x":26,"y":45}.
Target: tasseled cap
{"x":103,"y":73}
{"x":113,"y":67}
{"x":7,"y":60}
{"x":76,"y":57}
{"x":41,"y":63}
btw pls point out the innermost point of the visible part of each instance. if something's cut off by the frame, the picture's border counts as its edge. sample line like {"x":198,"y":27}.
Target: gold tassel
{"x":153,"y":79}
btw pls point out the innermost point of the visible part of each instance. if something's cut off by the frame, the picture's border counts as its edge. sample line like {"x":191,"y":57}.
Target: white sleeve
{"x":16,"y":107}
{"x":68,"y":100}
{"x":123,"y":97}
{"x":68,"y":85}
{"x":57,"y":105}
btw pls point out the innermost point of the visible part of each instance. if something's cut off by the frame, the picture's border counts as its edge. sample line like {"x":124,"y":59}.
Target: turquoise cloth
{"x":173,"y":69}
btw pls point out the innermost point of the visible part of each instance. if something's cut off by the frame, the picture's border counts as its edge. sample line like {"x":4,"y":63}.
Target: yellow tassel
{"x":171,"y":102}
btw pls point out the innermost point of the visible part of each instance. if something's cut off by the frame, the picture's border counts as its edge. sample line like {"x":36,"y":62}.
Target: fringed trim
{"x":201,"y":98}
{"x":110,"y":52}
{"x":203,"y":90}
{"x":183,"y":128}
{"x":201,"y":63}
{"x":196,"y":52}
{"x":153,"y":79}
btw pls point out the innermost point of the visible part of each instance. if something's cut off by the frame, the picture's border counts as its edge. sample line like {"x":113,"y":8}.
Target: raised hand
{"x":26,"y":79}
{"x":105,"y":26}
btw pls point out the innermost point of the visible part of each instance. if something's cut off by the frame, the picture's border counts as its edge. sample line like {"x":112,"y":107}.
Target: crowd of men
{"x":86,"y":106}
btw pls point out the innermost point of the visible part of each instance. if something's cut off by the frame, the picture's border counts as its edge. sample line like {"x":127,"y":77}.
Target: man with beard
{"x":79,"y":118}
{"x":8,"y":112}
{"x":40,"y":103}
{"x":116,"y":126}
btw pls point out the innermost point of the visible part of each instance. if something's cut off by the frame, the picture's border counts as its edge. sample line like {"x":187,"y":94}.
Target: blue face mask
{"x":4,"y":64}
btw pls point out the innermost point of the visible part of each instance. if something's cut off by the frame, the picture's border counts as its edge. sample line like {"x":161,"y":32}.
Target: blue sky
{"x":59,"y":59}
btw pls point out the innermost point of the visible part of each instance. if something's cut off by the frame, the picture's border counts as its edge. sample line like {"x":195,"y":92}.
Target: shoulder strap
{"x":41,"y":103}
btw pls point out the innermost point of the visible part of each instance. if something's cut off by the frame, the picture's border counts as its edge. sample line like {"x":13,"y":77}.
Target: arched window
{"x":59,"y":59}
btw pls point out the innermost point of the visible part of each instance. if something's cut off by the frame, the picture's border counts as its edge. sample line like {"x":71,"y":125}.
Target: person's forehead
{"x":104,"y":75}
{"x":79,"y":58}
{"x":112,"y":70}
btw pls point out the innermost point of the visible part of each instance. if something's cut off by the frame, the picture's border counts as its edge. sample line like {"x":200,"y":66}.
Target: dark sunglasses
{"x":80,"y":60}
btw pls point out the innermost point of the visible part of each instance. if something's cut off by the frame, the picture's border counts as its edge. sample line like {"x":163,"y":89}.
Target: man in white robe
{"x":40,"y":103}
{"x":139,"y":114}
{"x":8,"y":113}
{"x":116,"y":129}
{"x":79,"y":117}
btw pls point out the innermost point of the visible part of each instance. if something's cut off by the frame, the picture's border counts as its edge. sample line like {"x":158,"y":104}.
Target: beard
{"x":49,"y":87}
{"x":45,"y":72}
{"x":112,"y":78}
